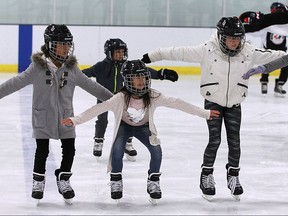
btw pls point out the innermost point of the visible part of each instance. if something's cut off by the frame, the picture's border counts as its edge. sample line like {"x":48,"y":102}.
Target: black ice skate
{"x":130,"y":151}
{"x":64,"y":186}
{"x":278,"y":89}
{"x":207,"y":183}
{"x":98,"y":146}
{"x":233,"y":182}
{"x":116,"y":184}
{"x":264,"y":87}
{"x":38,"y":186}
{"x":153,"y":187}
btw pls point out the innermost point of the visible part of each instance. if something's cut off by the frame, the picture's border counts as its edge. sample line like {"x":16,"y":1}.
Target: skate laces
{"x":233,"y":183}
{"x":116,"y":186}
{"x":280,"y":88}
{"x":208,"y":181}
{"x":153,"y":186}
{"x":64,"y":186}
{"x":98,"y":146}
{"x":38,"y":185}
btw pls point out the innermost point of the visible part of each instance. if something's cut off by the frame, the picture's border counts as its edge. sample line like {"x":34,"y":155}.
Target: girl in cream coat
{"x":133,"y":108}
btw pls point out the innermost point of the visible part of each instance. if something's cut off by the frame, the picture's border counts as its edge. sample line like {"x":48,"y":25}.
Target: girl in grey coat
{"x":54,"y":75}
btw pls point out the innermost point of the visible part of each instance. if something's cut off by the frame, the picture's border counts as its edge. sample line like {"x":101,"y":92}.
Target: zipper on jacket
{"x":115,"y":77}
{"x":228,"y":81}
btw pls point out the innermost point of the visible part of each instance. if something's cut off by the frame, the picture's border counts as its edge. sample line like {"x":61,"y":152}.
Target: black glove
{"x":146,"y":58}
{"x":251,"y":18}
{"x":168,"y":74}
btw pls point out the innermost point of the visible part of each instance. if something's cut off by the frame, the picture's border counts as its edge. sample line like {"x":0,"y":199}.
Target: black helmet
{"x":113,"y":44}
{"x":277,"y":7}
{"x":231,"y":27}
{"x":132,"y":69}
{"x":58,"y":35}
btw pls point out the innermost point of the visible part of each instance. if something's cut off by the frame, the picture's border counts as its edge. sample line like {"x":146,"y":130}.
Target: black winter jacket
{"x":107,"y":73}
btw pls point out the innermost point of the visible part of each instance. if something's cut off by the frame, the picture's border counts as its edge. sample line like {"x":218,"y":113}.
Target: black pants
{"x":282,"y":77}
{"x":101,"y":124}
{"x":232,"y":122}
{"x":42,"y":151}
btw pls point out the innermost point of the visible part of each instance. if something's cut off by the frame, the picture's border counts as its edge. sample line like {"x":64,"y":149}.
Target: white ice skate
{"x":116,"y":184}
{"x":233,"y":182}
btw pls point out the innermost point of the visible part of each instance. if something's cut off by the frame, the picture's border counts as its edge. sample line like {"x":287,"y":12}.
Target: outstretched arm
{"x":67,"y":122}
{"x":274,"y":22}
{"x":268,"y":67}
{"x":164,"y":74}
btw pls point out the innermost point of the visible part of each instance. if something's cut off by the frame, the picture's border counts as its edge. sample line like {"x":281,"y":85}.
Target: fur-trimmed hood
{"x":38,"y":58}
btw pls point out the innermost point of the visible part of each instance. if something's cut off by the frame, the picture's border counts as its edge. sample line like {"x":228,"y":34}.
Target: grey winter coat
{"x":51,"y":102}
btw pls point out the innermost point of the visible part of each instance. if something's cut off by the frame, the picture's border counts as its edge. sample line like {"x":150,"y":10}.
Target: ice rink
{"x":264,"y":160}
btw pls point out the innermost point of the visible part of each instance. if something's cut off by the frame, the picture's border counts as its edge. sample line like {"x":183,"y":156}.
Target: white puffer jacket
{"x":221,"y":75}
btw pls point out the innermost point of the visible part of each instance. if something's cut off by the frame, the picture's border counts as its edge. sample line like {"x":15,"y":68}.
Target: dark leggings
{"x":232,"y":122}
{"x":42,"y":151}
{"x":282,"y":77}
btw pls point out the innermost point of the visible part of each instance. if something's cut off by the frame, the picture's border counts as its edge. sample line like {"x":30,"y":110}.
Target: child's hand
{"x":253,"y":71}
{"x":214,"y":113}
{"x":67,"y":122}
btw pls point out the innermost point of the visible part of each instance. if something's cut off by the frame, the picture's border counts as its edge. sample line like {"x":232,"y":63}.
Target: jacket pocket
{"x":242,"y":89}
{"x":209,"y":88}
{"x":40,"y":118}
{"x":68,"y":113}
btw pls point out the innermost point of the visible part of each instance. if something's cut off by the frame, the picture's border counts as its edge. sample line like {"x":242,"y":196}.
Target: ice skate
{"x":98,"y":146}
{"x":64,"y":186}
{"x":278,"y":89}
{"x":130,"y":152}
{"x":38,"y":186}
{"x":264,"y":88}
{"x":116,"y":184}
{"x":207,"y":183}
{"x":153,"y":187}
{"x":233,"y":182}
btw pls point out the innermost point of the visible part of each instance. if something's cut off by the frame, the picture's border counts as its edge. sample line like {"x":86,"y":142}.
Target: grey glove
{"x":256,"y":70}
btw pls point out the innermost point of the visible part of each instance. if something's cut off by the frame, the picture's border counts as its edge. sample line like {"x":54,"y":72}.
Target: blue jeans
{"x":142,"y":133}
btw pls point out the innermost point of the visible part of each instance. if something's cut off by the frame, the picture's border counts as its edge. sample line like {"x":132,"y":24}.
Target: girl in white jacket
{"x":133,"y":109}
{"x":223,"y":59}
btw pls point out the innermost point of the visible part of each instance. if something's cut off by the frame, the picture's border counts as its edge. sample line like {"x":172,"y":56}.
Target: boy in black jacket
{"x":107,"y":73}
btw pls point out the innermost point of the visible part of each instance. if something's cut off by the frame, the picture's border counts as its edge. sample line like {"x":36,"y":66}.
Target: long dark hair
{"x":45,"y":50}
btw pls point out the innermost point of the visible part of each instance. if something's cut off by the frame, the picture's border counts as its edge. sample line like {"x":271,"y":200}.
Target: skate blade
{"x":36,"y":201}
{"x":279,"y":95}
{"x":153,"y":201}
{"x":131,"y":158}
{"x":97,"y":158}
{"x":208,"y":197}
{"x":117,"y":201}
{"x":68,"y":201}
{"x":236,"y":197}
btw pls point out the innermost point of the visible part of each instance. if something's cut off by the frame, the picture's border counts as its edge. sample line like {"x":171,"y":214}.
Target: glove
{"x":251,"y":18}
{"x":168,"y":74}
{"x":146,"y":58}
{"x":253,"y":71}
